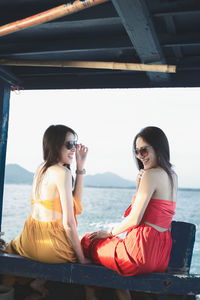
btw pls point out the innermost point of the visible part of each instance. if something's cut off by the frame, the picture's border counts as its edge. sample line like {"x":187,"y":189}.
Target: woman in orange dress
{"x":147,"y":244}
{"x":50,"y":233}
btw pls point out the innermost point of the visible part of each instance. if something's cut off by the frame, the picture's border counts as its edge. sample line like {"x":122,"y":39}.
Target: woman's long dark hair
{"x":155,"y":137}
{"x":53,"y":140}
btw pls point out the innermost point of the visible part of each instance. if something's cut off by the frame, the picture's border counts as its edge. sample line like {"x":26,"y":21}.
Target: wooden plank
{"x":183,"y":236}
{"x":140,"y":29}
{"x":98,"y":53}
{"x":180,"y":40}
{"x":4,"y":116}
{"x":56,"y":30}
{"x":101,"y":42}
{"x":159,"y":283}
{"x":38,"y":78}
{"x":158,"y":6}
{"x":177,"y":13}
{"x":90,"y":65}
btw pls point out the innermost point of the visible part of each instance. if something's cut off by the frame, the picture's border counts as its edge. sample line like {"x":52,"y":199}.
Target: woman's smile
{"x":71,"y":156}
{"x":148,"y":159}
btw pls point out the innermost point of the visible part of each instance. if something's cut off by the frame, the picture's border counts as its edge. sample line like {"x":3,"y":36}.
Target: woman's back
{"x":164,"y":193}
{"x":164,"y":189}
{"x":45,"y":200}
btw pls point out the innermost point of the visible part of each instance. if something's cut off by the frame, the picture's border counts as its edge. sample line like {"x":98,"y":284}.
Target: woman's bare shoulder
{"x":58,"y":171}
{"x":155,"y":174}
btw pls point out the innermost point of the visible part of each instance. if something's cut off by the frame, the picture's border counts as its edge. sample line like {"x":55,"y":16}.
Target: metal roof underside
{"x":132,"y":31}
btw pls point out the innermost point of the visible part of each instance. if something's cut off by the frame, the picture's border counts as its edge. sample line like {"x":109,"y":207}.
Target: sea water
{"x":102,"y":209}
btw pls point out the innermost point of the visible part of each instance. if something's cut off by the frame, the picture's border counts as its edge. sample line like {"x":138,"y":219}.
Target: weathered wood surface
{"x":183,"y":236}
{"x":161,"y":283}
{"x":158,"y":283}
{"x":4,"y":117}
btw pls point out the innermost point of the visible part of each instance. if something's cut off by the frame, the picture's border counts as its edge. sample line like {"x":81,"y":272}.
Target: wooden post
{"x":4,"y":116}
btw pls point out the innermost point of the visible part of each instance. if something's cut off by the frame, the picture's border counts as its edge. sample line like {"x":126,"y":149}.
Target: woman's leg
{"x":90,"y":293}
{"x":123,"y":294}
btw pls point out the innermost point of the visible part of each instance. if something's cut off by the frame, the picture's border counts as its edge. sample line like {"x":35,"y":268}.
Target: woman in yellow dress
{"x":50,"y":233}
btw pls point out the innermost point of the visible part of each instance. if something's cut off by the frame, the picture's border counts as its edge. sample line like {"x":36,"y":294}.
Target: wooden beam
{"x":86,"y":43}
{"x":100,"y":54}
{"x":171,"y":29}
{"x":4,"y":116}
{"x":68,"y":29}
{"x":7,"y":76}
{"x":31,"y":7}
{"x":91,"y":65}
{"x":158,"y":6}
{"x":178,"y":13}
{"x":138,"y":24}
{"x":57,"y":78}
{"x":49,"y":15}
{"x":180,"y":40}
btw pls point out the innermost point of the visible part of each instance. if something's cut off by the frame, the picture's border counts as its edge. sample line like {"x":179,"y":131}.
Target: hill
{"x":108,"y":179}
{"x":15,"y":174}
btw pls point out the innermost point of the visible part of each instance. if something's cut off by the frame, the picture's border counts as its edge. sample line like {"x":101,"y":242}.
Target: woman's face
{"x":147,"y":157}
{"x":68,"y":149}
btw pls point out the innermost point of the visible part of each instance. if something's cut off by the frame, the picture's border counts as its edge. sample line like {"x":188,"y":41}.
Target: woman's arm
{"x":138,"y":179}
{"x":64,"y":184}
{"x":145,"y":191}
{"x":81,"y":154}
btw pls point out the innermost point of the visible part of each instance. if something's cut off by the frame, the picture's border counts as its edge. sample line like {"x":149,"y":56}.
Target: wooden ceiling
{"x":123,"y":31}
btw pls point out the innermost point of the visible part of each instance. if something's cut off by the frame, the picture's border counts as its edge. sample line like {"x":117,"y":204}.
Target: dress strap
{"x":52,"y":204}
{"x":55,"y":204}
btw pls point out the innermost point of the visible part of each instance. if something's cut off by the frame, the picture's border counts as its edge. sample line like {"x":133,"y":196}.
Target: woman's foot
{"x":123,"y":294}
{"x":38,"y":286}
{"x":90,"y":293}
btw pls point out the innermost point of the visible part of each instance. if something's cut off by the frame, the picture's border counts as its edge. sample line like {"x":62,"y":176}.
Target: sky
{"x":107,"y":120}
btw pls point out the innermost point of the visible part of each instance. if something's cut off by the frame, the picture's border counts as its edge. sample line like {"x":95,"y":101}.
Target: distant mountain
{"x":107,"y":180}
{"x":14,"y":174}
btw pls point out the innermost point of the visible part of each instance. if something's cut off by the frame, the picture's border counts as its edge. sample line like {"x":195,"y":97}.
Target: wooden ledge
{"x":158,"y":283}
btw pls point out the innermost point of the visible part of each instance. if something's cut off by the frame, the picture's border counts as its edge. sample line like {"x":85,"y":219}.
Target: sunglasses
{"x":70,"y":144}
{"x":143,"y":151}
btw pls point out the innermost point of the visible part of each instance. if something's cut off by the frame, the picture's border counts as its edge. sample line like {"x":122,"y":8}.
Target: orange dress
{"x":45,"y":241}
{"x":143,"y":250}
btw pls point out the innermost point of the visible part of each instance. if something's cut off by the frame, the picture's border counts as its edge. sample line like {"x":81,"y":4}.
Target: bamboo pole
{"x":48,"y":15}
{"x":91,"y":65}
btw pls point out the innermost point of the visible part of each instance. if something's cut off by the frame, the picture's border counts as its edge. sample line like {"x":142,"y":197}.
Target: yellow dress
{"x":45,"y":241}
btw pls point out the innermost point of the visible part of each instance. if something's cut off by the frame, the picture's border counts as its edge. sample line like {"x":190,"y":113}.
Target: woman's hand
{"x":139,"y":177}
{"x":86,"y":261}
{"x":81,"y":154}
{"x":101,"y":234}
